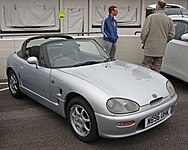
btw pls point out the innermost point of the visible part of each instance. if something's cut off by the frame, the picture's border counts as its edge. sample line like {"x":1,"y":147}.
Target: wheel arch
{"x":71,"y":96}
{"x":83,"y":102}
{"x":8,"y":70}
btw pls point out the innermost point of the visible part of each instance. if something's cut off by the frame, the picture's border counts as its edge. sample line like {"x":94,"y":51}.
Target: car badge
{"x":154,"y":95}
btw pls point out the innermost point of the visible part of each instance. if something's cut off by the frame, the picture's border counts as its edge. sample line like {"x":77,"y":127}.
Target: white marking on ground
{"x":4,"y":89}
{"x":4,"y":83}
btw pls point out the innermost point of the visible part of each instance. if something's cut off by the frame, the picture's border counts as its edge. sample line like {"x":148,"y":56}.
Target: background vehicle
{"x":172,"y":9}
{"x":99,"y":96}
{"x":175,"y":59}
{"x":168,"y":5}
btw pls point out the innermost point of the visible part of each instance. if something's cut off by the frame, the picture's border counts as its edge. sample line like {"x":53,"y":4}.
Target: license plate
{"x":149,"y":121}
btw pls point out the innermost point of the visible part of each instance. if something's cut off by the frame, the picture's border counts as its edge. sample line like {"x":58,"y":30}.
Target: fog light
{"x":125,"y":124}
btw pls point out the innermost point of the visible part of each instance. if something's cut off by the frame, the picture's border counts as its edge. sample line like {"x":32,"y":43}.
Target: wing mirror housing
{"x":33,"y":60}
{"x":184,"y":37}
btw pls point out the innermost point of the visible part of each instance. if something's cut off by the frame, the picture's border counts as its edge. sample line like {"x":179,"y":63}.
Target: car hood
{"x":123,"y":80}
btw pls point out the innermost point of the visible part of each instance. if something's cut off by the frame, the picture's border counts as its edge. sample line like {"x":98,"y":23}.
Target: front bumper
{"x":107,"y":125}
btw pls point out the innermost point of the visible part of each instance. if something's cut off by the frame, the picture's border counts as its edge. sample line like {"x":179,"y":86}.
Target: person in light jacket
{"x":109,"y":31}
{"x":157,"y":31}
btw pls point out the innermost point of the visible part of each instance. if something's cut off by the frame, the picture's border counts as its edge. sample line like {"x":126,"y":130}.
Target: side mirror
{"x":184,"y":37}
{"x":33,"y":60}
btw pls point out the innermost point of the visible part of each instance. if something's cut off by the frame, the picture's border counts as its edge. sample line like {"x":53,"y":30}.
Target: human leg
{"x":157,"y":62}
{"x":147,"y":62}
{"x":113,"y":50}
{"x":107,"y":46}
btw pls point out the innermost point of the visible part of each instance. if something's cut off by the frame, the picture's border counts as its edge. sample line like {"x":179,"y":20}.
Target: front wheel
{"x":82,"y":120}
{"x":13,"y":84}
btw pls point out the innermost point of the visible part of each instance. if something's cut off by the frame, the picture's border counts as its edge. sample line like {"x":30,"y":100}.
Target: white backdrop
{"x":128,"y":11}
{"x":20,"y":15}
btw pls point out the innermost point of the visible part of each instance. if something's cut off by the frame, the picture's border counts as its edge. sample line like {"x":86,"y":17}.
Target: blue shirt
{"x":109,"y":29}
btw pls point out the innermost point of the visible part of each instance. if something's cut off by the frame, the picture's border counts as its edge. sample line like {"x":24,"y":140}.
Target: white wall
{"x":7,"y":46}
{"x":128,"y":49}
{"x":87,"y":7}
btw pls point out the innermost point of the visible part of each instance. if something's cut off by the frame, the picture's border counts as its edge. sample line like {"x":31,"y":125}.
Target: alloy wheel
{"x":80,"y":120}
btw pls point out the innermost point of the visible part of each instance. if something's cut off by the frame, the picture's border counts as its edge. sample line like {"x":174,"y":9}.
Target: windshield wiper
{"x":87,"y":63}
{"x":109,"y":59}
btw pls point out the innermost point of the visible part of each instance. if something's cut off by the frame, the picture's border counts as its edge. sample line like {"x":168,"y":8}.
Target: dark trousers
{"x":153,"y":63}
{"x":110,"y":48}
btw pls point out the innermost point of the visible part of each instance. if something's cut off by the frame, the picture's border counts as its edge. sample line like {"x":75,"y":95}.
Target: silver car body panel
{"x":107,"y":124}
{"x":175,"y":60}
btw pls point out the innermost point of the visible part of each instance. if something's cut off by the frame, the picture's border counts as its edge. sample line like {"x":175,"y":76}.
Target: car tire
{"x":14,"y":84}
{"x":82,"y":120}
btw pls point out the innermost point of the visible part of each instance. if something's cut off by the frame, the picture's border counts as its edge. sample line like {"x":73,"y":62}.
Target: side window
{"x":37,"y":52}
{"x":180,"y":29}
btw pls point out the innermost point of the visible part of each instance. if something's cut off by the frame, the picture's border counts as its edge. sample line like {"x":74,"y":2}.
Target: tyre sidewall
{"x":93,"y":135}
{"x":18,"y":94}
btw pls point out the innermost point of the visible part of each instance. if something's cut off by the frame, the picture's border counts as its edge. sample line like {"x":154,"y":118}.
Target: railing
{"x":137,"y":32}
{"x":34,"y":34}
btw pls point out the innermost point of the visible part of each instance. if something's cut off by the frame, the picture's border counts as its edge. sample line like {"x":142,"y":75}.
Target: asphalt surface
{"x":27,"y":125}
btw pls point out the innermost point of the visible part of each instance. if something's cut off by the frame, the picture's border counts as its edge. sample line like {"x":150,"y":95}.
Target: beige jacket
{"x":157,"y":31}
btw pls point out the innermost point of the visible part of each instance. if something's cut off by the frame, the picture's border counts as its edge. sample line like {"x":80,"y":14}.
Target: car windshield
{"x":75,"y":52}
{"x":176,"y":11}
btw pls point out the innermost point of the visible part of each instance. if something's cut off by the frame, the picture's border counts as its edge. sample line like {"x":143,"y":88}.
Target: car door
{"x":35,"y":79}
{"x":175,"y":60}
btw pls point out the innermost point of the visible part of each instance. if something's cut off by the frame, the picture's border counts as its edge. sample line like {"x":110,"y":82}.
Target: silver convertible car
{"x":99,"y":96}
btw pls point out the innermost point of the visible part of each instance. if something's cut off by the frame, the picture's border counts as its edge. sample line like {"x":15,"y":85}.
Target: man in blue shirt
{"x":109,"y":31}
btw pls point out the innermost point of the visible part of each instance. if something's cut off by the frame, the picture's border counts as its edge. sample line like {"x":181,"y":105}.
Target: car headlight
{"x":121,"y":106}
{"x":170,"y":88}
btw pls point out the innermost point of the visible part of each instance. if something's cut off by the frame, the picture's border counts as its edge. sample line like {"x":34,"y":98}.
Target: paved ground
{"x":27,"y":125}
